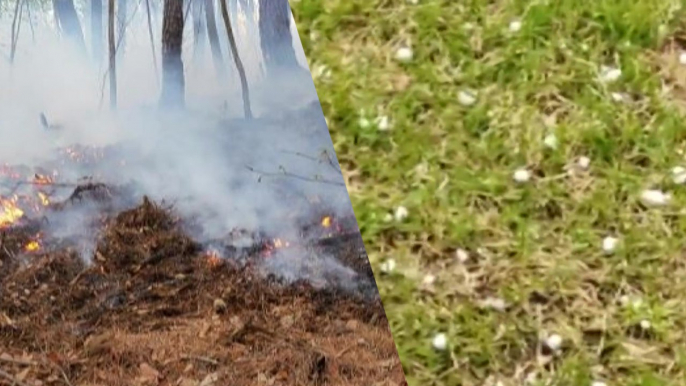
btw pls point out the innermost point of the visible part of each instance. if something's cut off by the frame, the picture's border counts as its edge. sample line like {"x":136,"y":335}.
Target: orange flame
{"x":278,"y":243}
{"x":43,"y":199}
{"x":326,"y":222}
{"x":39,"y":179}
{"x":10,"y":213}
{"x":213,"y":259}
{"x":32,"y":246}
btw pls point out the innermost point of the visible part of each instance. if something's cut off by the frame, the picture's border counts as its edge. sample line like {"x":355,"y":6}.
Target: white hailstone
{"x":515,"y":26}
{"x":654,"y":197}
{"x":609,"y":74}
{"x":554,"y":342}
{"x":401,"y":213}
{"x":462,"y":255}
{"x":584,"y":162}
{"x":598,"y":383}
{"x":645,"y":324}
{"x":404,"y":54}
{"x":624,"y":300}
{"x":382,"y":123}
{"x":388,"y":266}
{"x":617,"y":97}
{"x":440,"y":342}
{"x":497,"y":304}
{"x":679,"y":175}
{"x":522,"y":175}
{"x":610,"y":244}
{"x":682,"y":58}
{"x":429,"y":280}
{"x":550,"y":141}
{"x":364,"y":122}
{"x":466,"y":98}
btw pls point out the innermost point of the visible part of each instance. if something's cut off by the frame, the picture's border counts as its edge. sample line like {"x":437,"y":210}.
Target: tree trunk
{"x":69,"y":22}
{"x":173,"y":83}
{"x":199,"y":30}
{"x":211,"y":21}
{"x":275,"y":36}
{"x":152,"y":40}
{"x":15,"y":29}
{"x":239,"y":65}
{"x":113,"y":53}
{"x":96,"y":30}
{"x":122,"y":14}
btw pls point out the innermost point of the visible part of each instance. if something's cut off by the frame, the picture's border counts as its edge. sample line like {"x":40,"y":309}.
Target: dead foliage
{"x":154,"y":309}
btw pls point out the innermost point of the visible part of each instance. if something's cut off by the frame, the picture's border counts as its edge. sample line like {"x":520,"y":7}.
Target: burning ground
{"x":155,"y":306}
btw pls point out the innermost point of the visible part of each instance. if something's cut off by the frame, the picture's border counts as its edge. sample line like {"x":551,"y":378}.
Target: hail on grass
{"x":440,"y":342}
{"x":404,"y":54}
{"x":521,"y":175}
{"x":401,"y":213}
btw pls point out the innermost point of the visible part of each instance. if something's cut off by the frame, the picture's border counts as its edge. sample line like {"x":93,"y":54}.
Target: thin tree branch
{"x":285,"y":173}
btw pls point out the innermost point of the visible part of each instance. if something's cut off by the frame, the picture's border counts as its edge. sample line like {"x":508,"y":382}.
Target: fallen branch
{"x":200,"y":359}
{"x":15,"y":361}
{"x":14,"y":381}
{"x":325,"y":156}
{"x":285,"y":173}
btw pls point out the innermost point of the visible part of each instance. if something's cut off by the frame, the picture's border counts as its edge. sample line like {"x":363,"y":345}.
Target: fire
{"x":278,"y":243}
{"x":42,"y":180}
{"x":213,"y":259}
{"x":43,"y":199}
{"x":10,"y":213}
{"x":32,"y":246}
{"x":326,"y":222}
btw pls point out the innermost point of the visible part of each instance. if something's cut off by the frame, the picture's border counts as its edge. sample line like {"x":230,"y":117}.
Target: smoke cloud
{"x":206,"y":160}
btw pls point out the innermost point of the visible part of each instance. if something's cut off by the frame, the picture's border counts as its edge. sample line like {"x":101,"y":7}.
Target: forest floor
{"x":435,"y":105}
{"x":153,"y":309}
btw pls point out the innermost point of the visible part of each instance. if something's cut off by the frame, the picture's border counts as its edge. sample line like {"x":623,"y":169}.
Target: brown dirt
{"x":153,"y":309}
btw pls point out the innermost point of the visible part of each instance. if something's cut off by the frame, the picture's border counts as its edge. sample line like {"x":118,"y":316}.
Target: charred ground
{"x":154,"y":307}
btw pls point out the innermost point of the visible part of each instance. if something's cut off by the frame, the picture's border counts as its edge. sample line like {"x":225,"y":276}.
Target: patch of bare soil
{"x":154,"y":309}
{"x":669,"y":67}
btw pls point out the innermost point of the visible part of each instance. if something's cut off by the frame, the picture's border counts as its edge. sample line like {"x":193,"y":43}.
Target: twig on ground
{"x":9,"y":377}
{"x":15,"y":361}
{"x":200,"y":359}
{"x":285,"y":173}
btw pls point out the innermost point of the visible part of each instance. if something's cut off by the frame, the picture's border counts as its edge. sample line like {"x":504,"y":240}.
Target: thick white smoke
{"x":200,"y":158}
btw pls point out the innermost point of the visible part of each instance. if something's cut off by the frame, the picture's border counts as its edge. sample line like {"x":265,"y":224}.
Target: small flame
{"x":213,"y":259}
{"x":278,"y":243}
{"x":32,"y":246}
{"x":43,"y":199}
{"x":39,"y":179}
{"x":326,"y":222}
{"x":10,"y":213}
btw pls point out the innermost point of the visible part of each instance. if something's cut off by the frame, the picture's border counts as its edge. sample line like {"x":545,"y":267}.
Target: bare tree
{"x":68,"y":19}
{"x":199,"y":30}
{"x":173,"y":82}
{"x":96,"y":30}
{"x":113,"y":57}
{"x":18,"y":10}
{"x":275,"y":36}
{"x":122,"y":13}
{"x":211,"y":21}
{"x":152,"y":40}
{"x":239,"y":65}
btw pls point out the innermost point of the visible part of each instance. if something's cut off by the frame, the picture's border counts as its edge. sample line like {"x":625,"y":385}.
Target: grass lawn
{"x":533,"y":147}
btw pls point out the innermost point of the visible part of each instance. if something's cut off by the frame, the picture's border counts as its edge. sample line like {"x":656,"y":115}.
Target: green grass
{"x":536,"y":245}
